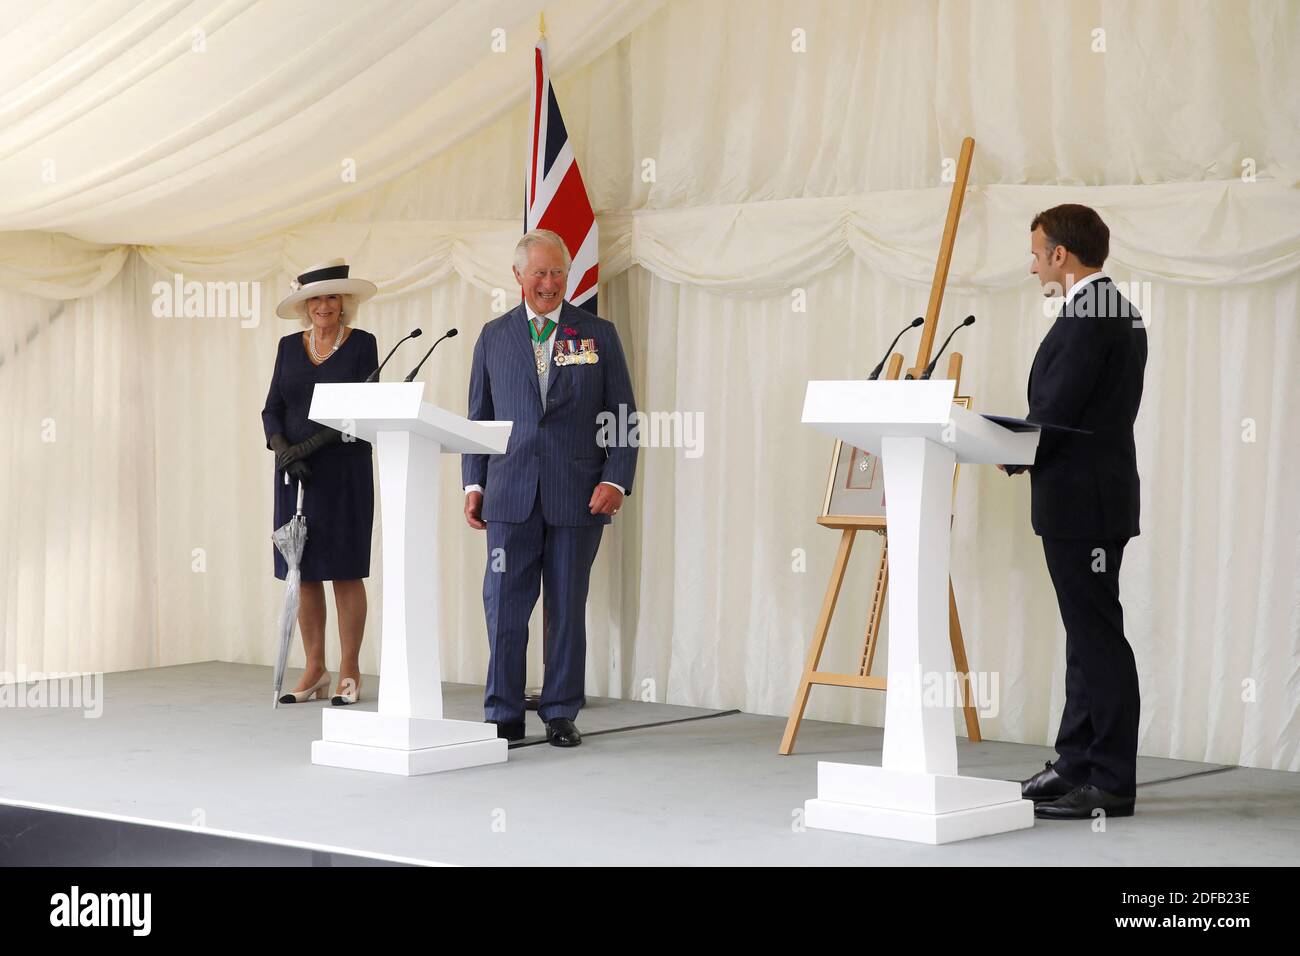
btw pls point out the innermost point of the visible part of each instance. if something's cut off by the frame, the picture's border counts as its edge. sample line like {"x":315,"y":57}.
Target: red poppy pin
{"x":570,"y":331}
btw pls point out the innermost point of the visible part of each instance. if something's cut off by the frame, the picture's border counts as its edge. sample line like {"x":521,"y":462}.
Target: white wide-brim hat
{"x":324,"y":278}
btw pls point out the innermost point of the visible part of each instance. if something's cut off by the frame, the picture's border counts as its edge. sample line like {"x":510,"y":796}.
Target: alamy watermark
{"x":42,"y":690}
{"x":208,"y":300}
{"x":651,"y":430}
{"x":945,"y":689}
{"x":77,"y":908}
{"x":1112,"y":300}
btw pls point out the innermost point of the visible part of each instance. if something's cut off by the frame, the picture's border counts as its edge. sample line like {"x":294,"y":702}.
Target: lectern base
{"x":407,"y":746}
{"x":920,"y":807}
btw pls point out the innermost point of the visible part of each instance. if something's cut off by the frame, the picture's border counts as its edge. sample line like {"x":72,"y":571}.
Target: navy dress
{"x":339,"y":500}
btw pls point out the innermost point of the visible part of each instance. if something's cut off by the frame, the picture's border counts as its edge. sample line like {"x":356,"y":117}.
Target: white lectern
{"x":916,"y":794}
{"x":408,"y":734}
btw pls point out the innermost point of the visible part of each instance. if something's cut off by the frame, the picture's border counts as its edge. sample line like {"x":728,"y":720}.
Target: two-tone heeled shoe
{"x":319,"y":690}
{"x":351,"y":692}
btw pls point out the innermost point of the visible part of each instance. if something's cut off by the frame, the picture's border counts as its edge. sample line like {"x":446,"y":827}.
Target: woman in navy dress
{"x":336,"y":470}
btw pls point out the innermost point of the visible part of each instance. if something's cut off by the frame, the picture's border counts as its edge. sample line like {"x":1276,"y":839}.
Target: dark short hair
{"x":1079,"y":229}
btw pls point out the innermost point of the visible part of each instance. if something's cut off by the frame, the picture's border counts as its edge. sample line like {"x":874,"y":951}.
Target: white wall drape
{"x":144,"y":522}
{"x":772,"y":171}
{"x":1210,"y":587}
{"x":212,"y":120}
{"x":734,"y":100}
{"x":138,"y":531}
{"x":78,"y":535}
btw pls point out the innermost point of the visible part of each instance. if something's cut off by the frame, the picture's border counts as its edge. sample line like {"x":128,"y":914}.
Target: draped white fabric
{"x":1210,"y":587}
{"x":282,"y":99}
{"x":143,"y":532}
{"x":78,"y":535}
{"x":278,"y":94}
{"x":736,"y":176}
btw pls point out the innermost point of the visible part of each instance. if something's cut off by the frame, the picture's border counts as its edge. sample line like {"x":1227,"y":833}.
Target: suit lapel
{"x":1099,"y":294}
{"x":570,"y":317}
{"x":1042,"y":346}
{"x":517,"y":332}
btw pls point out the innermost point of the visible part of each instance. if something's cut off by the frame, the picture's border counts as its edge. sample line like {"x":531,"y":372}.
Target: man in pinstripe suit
{"x":551,"y":368}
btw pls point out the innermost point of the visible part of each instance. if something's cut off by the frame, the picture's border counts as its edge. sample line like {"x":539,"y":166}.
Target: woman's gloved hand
{"x":304,"y":449}
{"x":299,"y":471}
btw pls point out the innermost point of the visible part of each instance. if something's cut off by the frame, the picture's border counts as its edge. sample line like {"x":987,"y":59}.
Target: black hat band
{"x":321,"y":275}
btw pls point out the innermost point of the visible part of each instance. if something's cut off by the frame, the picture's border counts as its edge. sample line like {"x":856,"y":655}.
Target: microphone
{"x":875,"y":372}
{"x":450,"y":333}
{"x":929,"y":369}
{"x":374,"y":376}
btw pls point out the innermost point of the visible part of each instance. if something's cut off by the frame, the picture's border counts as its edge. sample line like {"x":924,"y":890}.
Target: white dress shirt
{"x":549,"y":345}
{"x":1074,"y":289}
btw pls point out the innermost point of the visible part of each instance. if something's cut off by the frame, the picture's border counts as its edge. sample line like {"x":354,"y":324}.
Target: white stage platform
{"x":651,"y":784}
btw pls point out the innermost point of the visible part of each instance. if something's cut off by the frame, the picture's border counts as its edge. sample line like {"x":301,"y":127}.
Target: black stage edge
{"x":44,"y":838}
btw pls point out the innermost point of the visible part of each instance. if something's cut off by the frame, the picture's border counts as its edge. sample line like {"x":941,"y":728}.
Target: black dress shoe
{"x":1081,"y":803}
{"x":1047,"y":784}
{"x":509,"y":730}
{"x":560,"y":732}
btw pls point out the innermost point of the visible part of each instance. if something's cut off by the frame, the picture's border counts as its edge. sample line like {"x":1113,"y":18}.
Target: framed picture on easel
{"x":855,"y":488}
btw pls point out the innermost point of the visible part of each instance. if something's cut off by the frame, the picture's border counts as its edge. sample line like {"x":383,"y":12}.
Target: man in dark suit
{"x":554,"y":370}
{"x":1087,"y":376}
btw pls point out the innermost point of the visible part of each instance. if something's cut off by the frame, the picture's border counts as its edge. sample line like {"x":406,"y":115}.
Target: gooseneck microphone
{"x":875,"y":372}
{"x":450,"y":333}
{"x":374,"y":376}
{"x":929,"y":369}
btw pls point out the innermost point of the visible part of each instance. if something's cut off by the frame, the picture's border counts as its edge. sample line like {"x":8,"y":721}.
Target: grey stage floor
{"x":652,"y":784}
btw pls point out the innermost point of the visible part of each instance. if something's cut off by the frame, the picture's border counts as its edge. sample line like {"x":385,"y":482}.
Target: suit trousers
{"x":523,"y":557}
{"x":1097,"y":741}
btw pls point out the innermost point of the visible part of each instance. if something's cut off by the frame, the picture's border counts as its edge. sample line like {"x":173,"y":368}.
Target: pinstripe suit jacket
{"x":556,"y":447}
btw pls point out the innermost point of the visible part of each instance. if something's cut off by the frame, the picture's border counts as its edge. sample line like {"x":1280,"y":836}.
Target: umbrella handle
{"x":300,"y":489}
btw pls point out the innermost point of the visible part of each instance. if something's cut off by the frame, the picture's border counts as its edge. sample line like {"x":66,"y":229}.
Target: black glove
{"x":277,"y":443}
{"x":307,"y":448}
{"x":299,"y":471}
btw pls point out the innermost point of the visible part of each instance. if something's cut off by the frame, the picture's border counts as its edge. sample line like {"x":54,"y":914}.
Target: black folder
{"x":1025,"y":425}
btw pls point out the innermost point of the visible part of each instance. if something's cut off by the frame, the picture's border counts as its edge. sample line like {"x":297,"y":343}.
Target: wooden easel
{"x":849,"y":525}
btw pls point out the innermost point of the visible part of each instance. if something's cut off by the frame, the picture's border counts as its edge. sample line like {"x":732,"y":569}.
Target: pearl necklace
{"x":338,"y":340}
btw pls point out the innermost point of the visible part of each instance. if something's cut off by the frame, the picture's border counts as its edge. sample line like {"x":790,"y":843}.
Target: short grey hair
{"x":531,"y":238}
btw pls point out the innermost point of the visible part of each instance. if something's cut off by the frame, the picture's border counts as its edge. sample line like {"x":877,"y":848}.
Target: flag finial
{"x":541,"y":24}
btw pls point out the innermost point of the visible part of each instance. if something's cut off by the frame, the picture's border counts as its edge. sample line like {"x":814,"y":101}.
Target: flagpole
{"x":541,"y":25}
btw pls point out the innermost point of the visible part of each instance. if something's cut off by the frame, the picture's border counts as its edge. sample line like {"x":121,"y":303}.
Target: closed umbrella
{"x":290,"y":538}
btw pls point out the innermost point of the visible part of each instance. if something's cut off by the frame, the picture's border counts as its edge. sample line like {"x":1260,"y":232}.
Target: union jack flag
{"x":554,"y":195}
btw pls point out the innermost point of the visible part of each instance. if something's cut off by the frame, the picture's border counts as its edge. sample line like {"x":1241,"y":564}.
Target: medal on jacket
{"x":540,"y":335}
